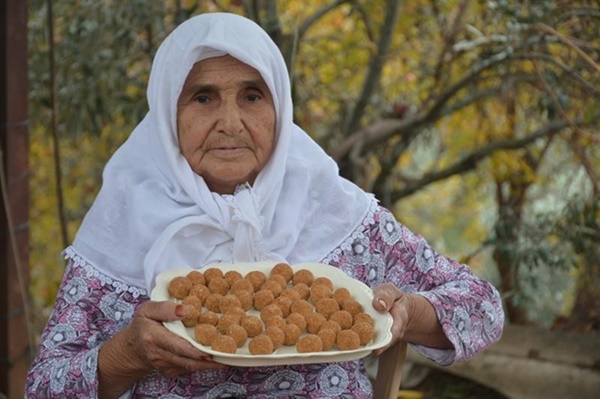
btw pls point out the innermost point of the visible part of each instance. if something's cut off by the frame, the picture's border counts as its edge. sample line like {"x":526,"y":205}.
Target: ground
{"x":440,"y":385}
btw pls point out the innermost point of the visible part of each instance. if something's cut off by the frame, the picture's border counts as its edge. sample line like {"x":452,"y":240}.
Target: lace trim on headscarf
{"x":91,"y":271}
{"x":369,"y":219}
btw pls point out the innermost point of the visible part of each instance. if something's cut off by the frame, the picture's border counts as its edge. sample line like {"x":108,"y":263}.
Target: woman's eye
{"x":253,"y":97}
{"x":202,"y":99}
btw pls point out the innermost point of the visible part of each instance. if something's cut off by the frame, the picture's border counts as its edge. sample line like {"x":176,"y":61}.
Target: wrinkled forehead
{"x":224,"y":68}
{"x":264,"y":71}
{"x":223,"y":62}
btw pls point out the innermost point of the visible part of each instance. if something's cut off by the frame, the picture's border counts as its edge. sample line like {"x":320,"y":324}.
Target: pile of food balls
{"x":273,"y":309}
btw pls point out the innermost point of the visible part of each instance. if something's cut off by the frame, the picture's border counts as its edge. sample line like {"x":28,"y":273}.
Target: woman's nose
{"x":229,"y":118}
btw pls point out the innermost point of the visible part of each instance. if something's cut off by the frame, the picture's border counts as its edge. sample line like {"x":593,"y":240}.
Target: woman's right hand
{"x":160,"y":349}
{"x":146,"y":345}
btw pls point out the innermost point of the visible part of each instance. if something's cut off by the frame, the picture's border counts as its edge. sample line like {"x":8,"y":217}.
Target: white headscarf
{"x":154,"y":213}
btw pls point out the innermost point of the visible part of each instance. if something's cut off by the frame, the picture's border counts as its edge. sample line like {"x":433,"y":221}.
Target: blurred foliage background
{"x":476,"y":122}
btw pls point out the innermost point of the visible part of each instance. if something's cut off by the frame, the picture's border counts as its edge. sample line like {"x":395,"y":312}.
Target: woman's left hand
{"x":415,"y":318}
{"x":388,"y":298}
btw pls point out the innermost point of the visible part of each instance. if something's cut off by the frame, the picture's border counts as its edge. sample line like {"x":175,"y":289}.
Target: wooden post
{"x":14,"y":201}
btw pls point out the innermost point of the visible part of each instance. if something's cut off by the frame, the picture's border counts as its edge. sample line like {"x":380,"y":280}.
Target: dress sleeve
{"x":87,"y":312}
{"x":468,"y":307}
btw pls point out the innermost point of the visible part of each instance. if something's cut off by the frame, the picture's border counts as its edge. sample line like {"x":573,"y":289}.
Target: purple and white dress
{"x":91,"y":307}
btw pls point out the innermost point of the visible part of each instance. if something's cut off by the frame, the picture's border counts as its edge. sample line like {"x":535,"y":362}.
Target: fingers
{"x":171,"y":364}
{"x":180,"y":347}
{"x":162,"y":350}
{"x":153,"y":334}
{"x":385,"y":295}
{"x":399,"y":313}
{"x":161,"y":311}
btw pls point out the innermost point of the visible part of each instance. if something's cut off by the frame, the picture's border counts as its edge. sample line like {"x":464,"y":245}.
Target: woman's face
{"x":225,"y":122}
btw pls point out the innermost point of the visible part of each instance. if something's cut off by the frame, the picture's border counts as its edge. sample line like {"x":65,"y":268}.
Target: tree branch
{"x":310,"y":21}
{"x":62,"y":219}
{"x":386,"y":128}
{"x":376,"y":132}
{"x":470,"y":162}
{"x":564,"y":67}
{"x":570,"y":43}
{"x":375,"y":66}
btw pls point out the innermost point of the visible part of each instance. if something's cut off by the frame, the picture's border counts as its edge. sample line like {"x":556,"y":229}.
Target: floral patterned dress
{"x":91,"y":307}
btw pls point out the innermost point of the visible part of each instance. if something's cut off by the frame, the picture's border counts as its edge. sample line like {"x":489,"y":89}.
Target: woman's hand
{"x":146,"y":345}
{"x":414,"y":318}
{"x":158,"y":348}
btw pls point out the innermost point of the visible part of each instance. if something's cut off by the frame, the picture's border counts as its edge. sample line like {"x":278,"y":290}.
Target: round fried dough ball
{"x":347,"y":340}
{"x":191,"y":316}
{"x":205,"y":333}
{"x":301,"y":306}
{"x":269,"y":311}
{"x":284,"y":304}
{"x":193,"y":301}
{"x":208,"y":317}
{"x":284,"y":270}
{"x":224,"y":343}
{"x":229,"y":301}
{"x":232,"y":276}
{"x":239,"y":312}
{"x":314,"y":322}
{"x":213,"y":302}
{"x":343,"y":318}
{"x":257,"y":278}
{"x":319,"y":291}
{"x":341,"y":294}
{"x":291,"y":332}
{"x":277,"y":336}
{"x":352,"y":306}
{"x":226,"y":321}
{"x":201,"y":292}
{"x":211,"y":273}
{"x":242,"y":285}
{"x":327,"y":306}
{"x":331,"y":325}
{"x":291,"y":293}
{"x":328,"y":337}
{"x":323,"y":281}
{"x":279,"y":279}
{"x":297,"y":319}
{"x":262,"y":299}
{"x":303,"y":276}
{"x":179,"y":287}
{"x":261,"y":345}
{"x":196,"y":277}
{"x":303,"y":290}
{"x":309,"y":343}
{"x":252,"y":324}
{"x":273,"y":286}
{"x":275,"y":321}
{"x":246,"y":299}
{"x":238,"y":333}
{"x":218,"y":285}
{"x":364,"y":331}
{"x":364,"y":318}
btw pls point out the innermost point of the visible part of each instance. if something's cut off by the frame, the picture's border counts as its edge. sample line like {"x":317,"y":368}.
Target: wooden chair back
{"x":389,"y":372}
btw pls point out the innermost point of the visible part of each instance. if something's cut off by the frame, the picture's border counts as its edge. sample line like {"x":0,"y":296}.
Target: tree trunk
{"x":506,"y":231}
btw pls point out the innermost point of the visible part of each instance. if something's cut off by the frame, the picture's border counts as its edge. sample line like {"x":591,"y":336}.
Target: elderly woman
{"x":218,"y":172}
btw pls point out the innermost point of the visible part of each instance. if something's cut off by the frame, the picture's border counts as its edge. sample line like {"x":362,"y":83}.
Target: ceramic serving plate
{"x":285,"y":354}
